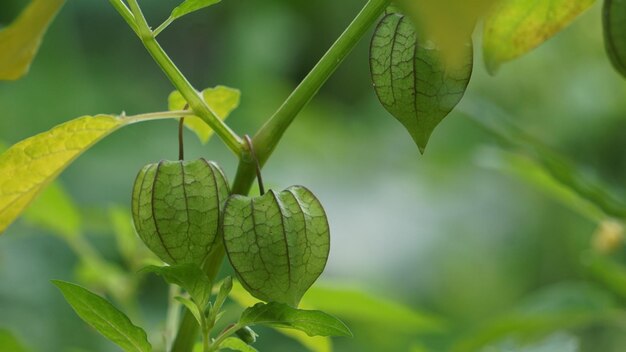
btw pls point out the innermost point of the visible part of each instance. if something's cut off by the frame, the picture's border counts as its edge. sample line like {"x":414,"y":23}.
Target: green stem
{"x":180,"y":82}
{"x":266,"y":140}
{"x":163,"y":25}
{"x":223,"y":336}
{"x":126,"y":14}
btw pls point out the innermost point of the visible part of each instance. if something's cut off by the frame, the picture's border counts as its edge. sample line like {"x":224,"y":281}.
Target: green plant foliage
{"x":10,"y":343}
{"x":189,"y":6}
{"x":20,"y":41}
{"x":277,"y":243}
{"x":177,"y":207}
{"x":413,"y":81}
{"x":55,"y":211}
{"x":105,"y":318}
{"x":312,"y":322}
{"x":514,"y":27}
{"x":189,"y":277}
{"x":192,"y":307}
{"x":235,"y":344}
{"x":358,"y":306}
{"x":222,"y":100}
{"x":30,"y":165}
{"x":614,"y":20}
{"x":561,"y":306}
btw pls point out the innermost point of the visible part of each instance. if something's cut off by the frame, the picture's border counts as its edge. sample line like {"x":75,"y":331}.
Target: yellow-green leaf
{"x":30,"y":165}
{"x":56,"y":212}
{"x":514,"y":27}
{"x":20,"y":41}
{"x":222,"y":100}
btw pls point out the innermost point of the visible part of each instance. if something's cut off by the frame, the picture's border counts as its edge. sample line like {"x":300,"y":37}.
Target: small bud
{"x":247,"y":335}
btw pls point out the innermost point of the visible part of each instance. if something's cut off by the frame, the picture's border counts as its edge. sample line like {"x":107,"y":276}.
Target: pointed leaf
{"x":189,"y":6}
{"x":222,"y":100}
{"x":28,"y":166}
{"x":188,"y":276}
{"x":192,"y":307}
{"x":614,"y":20}
{"x":412,"y":79}
{"x":278,"y":243}
{"x":20,"y":41}
{"x":514,"y":27}
{"x":235,"y":344}
{"x":105,"y":318}
{"x":312,"y":322}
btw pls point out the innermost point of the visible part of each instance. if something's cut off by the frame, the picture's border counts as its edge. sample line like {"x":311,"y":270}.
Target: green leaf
{"x":30,"y":165}
{"x":412,"y":79}
{"x":235,"y":344}
{"x":55,"y":211}
{"x":105,"y":318}
{"x":558,"y":307}
{"x":20,"y":41}
{"x":358,"y":306}
{"x":10,"y":343}
{"x":614,"y":20}
{"x":312,"y":322}
{"x":514,"y":27}
{"x":314,"y":344}
{"x":188,"y":276}
{"x":278,"y":243}
{"x":189,"y":6}
{"x":192,"y":307}
{"x":222,"y":100}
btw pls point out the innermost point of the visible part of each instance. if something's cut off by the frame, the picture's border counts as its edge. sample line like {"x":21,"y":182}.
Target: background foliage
{"x":486,"y":239}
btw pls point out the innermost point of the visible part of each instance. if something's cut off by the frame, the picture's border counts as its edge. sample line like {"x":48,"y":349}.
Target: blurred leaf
{"x":30,"y":165}
{"x":189,"y":6}
{"x":558,"y":342}
{"x":99,"y":274}
{"x":192,"y":307}
{"x":412,"y":79}
{"x":608,"y":272}
{"x":449,"y":23}
{"x":188,"y":276}
{"x":20,"y":41}
{"x":222,"y":100}
{"x":55,"y":211}
{"x":235,"y":344}
{"x":10,"y":343}
{"x":537,"y":175}
{"x":560,"y":168}
{"x":614,"y":20}
{"x":312,"y":322}
{"x":514,"y":27}
{"x":128,"y":243}
{"x":561,"y":306}
{"x":104,"y":317}
{"x":361,"y":307}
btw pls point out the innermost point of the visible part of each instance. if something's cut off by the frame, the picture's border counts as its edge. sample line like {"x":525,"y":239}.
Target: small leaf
{"x":188,"y":276}
{"x":20,"y":41}
{"x":222,"y":100}
{"x":235,"y":344}
{"x":192,"y":307}
{"x":412,"y":79}
{"x":278,"y":243}
{"x":30,"y":165}
{"x":312,"y":322}
{"x":105,"y":318}
{"x":614,"y":20}
{"x":10,"y":343}
{"x":55,"y":211}
{"x":189,"y":6}
{"x":514,"y":27}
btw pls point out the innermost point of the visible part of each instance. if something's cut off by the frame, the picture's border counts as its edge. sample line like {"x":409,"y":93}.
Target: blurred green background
{"x":499,"y":263}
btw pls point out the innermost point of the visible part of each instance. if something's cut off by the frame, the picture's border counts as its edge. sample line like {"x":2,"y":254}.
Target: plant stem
{"x":163,"y":25}
{"x":180,"y":82}
{"x":223,"y":336}
{"x":126,"y":14}
{"x":266,"y":140}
